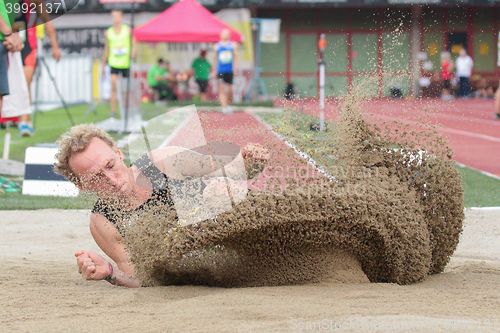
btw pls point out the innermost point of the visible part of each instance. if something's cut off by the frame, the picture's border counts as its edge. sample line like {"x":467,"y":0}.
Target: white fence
{"x":72,"y":76}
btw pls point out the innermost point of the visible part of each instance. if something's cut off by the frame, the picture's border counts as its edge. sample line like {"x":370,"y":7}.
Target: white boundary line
{"x":442,"y":128}
{"x":176,"y":131}
{"x":486,"y":173}
{"x":483,"y":208}
{"x":469,"y":134}
{"x":133,"y":136}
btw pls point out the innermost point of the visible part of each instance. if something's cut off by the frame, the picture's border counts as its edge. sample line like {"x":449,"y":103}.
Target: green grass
{"x":49,"y":126}
{"x":12,"y":201}
{"x":479,"y":190}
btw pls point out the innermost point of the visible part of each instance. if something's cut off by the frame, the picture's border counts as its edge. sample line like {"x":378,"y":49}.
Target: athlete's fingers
{"x":80,"y":260}
{"x":88,"y":269}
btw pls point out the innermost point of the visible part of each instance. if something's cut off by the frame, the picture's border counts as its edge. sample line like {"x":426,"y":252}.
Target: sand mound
{"x":394,"y":208}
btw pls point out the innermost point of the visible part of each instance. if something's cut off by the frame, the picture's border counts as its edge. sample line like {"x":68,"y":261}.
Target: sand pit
{"x":388,"y":219}
{"x":42,"y":291}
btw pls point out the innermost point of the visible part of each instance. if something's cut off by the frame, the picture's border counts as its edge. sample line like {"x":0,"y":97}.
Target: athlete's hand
{"x":91,"y":265}
{"x":13,"y":43}
{"x":56,"y":53}
{"x":213,"y":73}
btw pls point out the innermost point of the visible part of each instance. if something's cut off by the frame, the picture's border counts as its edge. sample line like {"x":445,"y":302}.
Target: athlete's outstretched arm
{"x":92,"y":266}
{"x":178,"y":162}
{"x":51,"y":32}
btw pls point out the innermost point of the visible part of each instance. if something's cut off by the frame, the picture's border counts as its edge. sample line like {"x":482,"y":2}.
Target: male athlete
{"x":90,"y":159}
{"x":118,"y":52}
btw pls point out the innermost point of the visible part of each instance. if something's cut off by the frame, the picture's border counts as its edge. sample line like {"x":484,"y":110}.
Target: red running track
{"x":284,"y":167}
{"x":469,"y":125}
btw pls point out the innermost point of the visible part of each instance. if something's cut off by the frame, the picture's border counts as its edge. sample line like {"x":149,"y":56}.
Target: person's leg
{"x":490,"y":93}
{"x":229,"y":91}
{"x":461,"y":86}
{"x":169,"y":92}
{"x":468,"y":87}
{"x":114,"y":84}
{"x":156,"y":93}
{"x":28,"y":74}
{"x":4,"y":81}
{"x":497,"y":102}
{"x":222,"y":95}
{"x":28,"y":55}
{"x":29,"y":71}
{"x":198,"y":95}
{"x":203,"y":88}
{"x":162,"y":90}
{"x":448,"y":90}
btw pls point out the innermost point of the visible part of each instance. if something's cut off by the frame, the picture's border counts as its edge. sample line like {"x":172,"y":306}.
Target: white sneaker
{"x":227,"y":110}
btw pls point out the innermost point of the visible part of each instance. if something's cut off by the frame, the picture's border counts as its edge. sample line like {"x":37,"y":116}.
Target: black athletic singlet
{"x":161,"y":194}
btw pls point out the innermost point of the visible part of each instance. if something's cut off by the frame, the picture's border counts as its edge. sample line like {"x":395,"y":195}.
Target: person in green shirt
{"x":159,"y":78}
{"x":201,"y":68}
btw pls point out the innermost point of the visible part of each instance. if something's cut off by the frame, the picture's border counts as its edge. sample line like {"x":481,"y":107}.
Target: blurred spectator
{"x":201,"y":68}
{"x":159,"y":80}
{"x":117,"y":53}
{"x":289,"y":92}
{"x":484,"y":89}
{"x":464,"y":66}
{"x":431,"y":85}
{"x":226,"y":64}
{"x":446,"y":75}
{"x":9,"y":42}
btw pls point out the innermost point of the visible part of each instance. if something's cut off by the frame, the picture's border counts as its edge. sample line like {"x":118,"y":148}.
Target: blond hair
{"x":74,"y":141}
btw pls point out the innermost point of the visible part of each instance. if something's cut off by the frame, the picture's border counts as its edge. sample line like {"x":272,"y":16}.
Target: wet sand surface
{"x":42,"y":291}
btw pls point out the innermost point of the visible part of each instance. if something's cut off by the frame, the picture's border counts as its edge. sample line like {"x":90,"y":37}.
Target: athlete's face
{"x":224,"y":35}
{"x":117,"y":16}
{"x":100,"y":169}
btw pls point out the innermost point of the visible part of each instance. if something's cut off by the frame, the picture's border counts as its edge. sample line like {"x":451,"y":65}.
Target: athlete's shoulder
{"x":108,"y":32}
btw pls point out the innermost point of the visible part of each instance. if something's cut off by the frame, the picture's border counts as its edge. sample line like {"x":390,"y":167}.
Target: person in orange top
{"x":446,"y":75}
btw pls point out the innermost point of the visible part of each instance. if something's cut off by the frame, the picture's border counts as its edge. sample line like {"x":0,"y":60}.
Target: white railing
{"x":72,"y":75}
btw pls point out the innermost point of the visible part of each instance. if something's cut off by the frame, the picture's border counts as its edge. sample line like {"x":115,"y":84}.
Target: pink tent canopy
{"x":185,"y":21}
